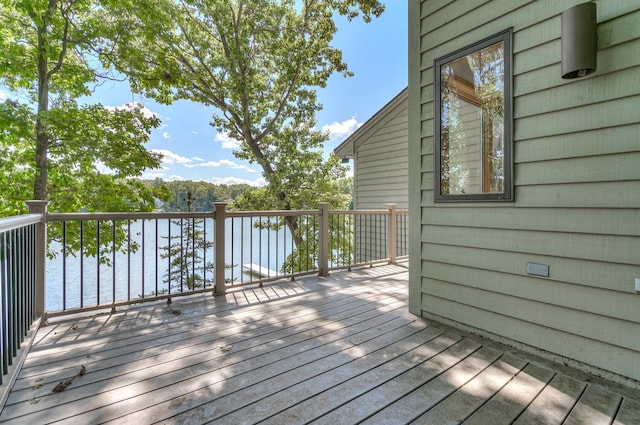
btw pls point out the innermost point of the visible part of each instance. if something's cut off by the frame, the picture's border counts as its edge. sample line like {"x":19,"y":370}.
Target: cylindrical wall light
{"x":579,"y":40}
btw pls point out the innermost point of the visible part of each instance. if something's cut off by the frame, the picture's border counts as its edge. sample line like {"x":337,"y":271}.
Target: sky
{"x":375,"y":52}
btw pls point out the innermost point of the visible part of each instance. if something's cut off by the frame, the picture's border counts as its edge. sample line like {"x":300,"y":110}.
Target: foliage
{"x":204,"y":194}
{"x":258,"y":62}
{"x":185,"y":252}
{"x":80,"y":157}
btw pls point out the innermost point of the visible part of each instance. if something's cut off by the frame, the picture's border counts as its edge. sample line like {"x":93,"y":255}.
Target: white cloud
{"x":146,"y":112}
{"x":342,"y":129}
{"x":225,"y":163}
{"x":3,"y":96}
{"x":166,"y":135}
{"x":234,"y":180}
{"x":227,"y":142}
{"x":169,"y":157}
{"x":153,"y":176}
{"x":103,"y":169}
{"x":197,"y":158}
{"x":194,"y":132}
{"x":174,"y":178}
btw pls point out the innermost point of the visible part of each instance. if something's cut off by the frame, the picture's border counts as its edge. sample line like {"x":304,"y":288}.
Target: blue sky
{"x":375,"y":52}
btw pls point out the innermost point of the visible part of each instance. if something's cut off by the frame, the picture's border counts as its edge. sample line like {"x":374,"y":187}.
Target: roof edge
{"x":346,"y":148}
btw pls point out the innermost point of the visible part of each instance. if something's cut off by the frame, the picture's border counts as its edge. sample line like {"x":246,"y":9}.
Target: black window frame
{"x":506,"y":37}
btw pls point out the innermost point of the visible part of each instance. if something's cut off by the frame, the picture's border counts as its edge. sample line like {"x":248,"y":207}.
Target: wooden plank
{"x":369,"y":403}
{"x":127,"y":359}
{"x":268,"y":407}
{"x":461,"y":404}
{"x":514,"y":398}
{"x":271,"y":314}
{"x":629,"y":413}
{"x":596,"y":407}
{"x":339,"y":395}
{"x":554,"y":403}
{"x":104,"y":365}
{"x":349,"y":353}
{"x":220,"y":398}
{"x":240,"y":368}
{"x":436,"y":390}
{"x":133,"y":354}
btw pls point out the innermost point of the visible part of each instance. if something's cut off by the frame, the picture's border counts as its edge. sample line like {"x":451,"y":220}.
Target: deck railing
{"x":17,"y":284}
{"x":53,"y":264}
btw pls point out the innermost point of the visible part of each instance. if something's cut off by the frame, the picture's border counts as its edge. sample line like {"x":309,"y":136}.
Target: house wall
{"x":380,"y":152}
{"x":577,"y":190}
{"x":381,"y":172}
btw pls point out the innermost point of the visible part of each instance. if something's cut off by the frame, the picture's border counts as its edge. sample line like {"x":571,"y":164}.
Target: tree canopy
{"x":259,"y":63}
{"x":77,"y":156}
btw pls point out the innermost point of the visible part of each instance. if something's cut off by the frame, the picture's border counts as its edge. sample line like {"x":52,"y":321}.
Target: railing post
{"x":323,"y":239}
{"x":392,"y":235}
{"x":219,"y":244}
{"x":40,"y":207}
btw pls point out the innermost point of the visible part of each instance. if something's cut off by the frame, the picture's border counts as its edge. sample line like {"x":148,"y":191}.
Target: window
{"x":473,"y":140}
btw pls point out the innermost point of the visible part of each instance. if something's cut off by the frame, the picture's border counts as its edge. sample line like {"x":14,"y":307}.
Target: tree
{"x":186,"y":251}
{"x":76,"y":156}
{"x":259,"y":63}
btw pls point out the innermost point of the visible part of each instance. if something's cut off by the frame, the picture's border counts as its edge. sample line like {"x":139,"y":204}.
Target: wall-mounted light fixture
{"x":579,"y":41}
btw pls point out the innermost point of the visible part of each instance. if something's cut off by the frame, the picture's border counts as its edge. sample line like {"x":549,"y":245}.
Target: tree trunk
{"x":42,"y":136}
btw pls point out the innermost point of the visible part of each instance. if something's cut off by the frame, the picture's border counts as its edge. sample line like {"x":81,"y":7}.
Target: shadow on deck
{"x":335,"y":350}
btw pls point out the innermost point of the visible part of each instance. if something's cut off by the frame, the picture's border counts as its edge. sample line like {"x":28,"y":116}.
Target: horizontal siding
{"x":508,"y":329}
{"x":577,"y":190}
{"x":619,"y":139}
{"x":607,"y":248}
{"x":381,"y":171}
{"x":618,"y":167}
{"x":622,"y":222}
{"x":535,"y":310}
{"x":565,"y":274}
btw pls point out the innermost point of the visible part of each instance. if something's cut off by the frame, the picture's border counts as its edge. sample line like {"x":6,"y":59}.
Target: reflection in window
{"x":472,"y":150}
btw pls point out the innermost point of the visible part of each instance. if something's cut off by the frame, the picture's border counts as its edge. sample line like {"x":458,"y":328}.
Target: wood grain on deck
{"x":336,"y":350}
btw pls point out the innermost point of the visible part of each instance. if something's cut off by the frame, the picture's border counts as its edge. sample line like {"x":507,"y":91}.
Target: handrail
{"x":18,"y":294}
{"x":88,"y":216}
{"x":12,"y":223}
{"x":210,"y":251}
{"x":251,"y":248}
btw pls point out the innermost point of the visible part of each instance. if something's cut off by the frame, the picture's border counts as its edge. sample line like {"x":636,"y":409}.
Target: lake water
{"x":129,"y":276}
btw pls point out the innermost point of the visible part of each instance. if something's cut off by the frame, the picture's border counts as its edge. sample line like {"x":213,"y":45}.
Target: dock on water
{"x":257,"y":270}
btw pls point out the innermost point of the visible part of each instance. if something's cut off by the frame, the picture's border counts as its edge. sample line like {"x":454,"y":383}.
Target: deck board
{"x":334,"y":350}
{"x":514,"y":398}
{"x":471,"y":397}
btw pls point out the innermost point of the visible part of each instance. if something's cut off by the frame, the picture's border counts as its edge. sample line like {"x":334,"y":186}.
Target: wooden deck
{"x":336,"y":350}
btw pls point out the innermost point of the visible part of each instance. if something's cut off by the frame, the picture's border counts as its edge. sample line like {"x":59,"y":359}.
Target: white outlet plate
{"x":637,"y":284}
